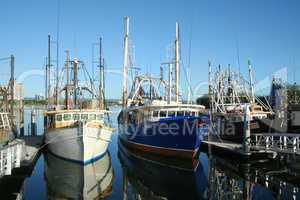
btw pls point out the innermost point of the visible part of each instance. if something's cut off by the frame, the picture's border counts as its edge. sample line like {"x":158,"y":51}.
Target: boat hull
{"x":80,"y":144}
{"x":173,"y":137}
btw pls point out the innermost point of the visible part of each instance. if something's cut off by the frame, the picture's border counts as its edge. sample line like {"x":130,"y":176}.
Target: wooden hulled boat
{"x":79,"y":130}
{"x":159,"y":122}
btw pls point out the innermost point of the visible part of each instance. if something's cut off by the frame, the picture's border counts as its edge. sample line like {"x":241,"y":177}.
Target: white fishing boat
{"x":79,"y":130}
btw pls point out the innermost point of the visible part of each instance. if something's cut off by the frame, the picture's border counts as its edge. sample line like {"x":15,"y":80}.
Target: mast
{"x":177,"y":62}
{"x":230,"y":86}
{"x":251,"y":82}
{"x":12,"y":87}
{"x":209,"y":86}
{"x":170,"y":82}
{"x":101,"y":82}
{"x":125,"y":67}
{"x":68,"y":79}
{"x":48,"y":68}
{"x":75,"y":81}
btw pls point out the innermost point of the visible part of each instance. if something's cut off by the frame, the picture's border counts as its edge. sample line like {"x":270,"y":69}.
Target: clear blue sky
{"x":267,"y":32}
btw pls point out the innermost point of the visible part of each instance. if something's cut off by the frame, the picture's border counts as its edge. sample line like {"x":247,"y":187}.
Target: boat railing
{"x":4,"y":121}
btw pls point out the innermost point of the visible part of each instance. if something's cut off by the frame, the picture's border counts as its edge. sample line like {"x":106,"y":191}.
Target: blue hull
{"x":180,"y":136}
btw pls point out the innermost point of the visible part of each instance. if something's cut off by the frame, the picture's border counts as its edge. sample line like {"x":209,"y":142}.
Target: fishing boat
{"x":154,"y":118}
{"x":231,"y":96}
{"x":79,"y":130}
{"x":68,"y":180}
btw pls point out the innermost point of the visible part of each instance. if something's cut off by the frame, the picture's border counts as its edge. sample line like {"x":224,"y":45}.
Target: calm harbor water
{"x":123,"y":174}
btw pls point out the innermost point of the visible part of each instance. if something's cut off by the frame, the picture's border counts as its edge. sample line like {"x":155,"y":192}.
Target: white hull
{"x":83,"y":144}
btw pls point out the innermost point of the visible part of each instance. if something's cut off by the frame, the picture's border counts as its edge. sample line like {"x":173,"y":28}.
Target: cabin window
{"x":155,"y":114}
{"x":76,"y":117}
{"x":67,"y":117}
{"x":171,"y":113}
{"x":163,"y":113}
{"x":59,"y":118}
{"x":180,"y":113}
{"x":84,"y":116}
{"x":92,"y":117}
{"x":100,"y":117}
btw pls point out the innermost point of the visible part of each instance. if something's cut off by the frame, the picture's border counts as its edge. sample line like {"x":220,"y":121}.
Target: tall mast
{"x":177,"y":61}
{"x":126,"y":61}
{"x":101,"y":82}
{"x":48,"y":69}
{"x":68,"y":80}
{"x":12,"y":86}
{"x":75,"y":81}
{"x":251,"y":82}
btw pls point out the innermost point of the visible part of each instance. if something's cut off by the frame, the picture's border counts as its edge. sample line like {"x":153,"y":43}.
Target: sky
{"x":223,"y":31}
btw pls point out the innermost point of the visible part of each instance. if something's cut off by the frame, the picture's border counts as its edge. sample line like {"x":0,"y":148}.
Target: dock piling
{"x":33,"y":123}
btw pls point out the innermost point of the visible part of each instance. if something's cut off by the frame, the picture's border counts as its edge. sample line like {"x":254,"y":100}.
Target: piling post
{"x":246,"y":139}
{"x":21,"y":116}
{"x":33,"y":123}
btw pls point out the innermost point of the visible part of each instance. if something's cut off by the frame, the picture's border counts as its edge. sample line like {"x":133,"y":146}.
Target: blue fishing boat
{"x":154,"y":118}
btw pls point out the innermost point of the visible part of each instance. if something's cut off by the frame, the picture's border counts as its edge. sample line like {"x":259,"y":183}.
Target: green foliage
{"x":203,"y":100}
{"x":33,"y":102}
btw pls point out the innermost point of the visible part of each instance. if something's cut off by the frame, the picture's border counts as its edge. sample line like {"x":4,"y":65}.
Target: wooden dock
{"x":231,"y":149}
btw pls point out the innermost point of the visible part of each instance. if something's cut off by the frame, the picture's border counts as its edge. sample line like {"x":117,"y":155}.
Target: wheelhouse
{"x":155,"y":113}
{"x":60,"y":119}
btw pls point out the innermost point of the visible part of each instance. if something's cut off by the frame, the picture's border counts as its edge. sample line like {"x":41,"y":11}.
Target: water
{"x":122,"y":173}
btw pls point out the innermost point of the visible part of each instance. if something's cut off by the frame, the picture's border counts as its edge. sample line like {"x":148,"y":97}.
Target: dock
{"x":231,"y":149}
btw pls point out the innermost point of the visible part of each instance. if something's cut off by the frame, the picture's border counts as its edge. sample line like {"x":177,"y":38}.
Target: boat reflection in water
{"x":231,"y":179}
{"x":151,"y":178}
{"x":210,"y":178}
{"x":69,"y":180}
